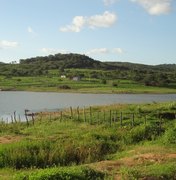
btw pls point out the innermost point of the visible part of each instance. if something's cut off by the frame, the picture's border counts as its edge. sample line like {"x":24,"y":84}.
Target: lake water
{"x":43,"y":101}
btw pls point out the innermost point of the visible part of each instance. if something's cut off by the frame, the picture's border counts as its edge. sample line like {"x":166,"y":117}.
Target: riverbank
{"x":105,"y":142}
{"x":94,"y":90}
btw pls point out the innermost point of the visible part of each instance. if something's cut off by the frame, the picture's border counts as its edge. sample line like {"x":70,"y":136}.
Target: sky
{"x":137,"y":31}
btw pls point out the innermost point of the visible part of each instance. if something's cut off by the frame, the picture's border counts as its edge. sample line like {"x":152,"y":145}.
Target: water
{"x":42,"y":101}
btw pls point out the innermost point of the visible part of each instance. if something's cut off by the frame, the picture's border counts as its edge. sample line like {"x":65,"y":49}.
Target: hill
{"x":64,"y":61}
{"x":81,"y":65}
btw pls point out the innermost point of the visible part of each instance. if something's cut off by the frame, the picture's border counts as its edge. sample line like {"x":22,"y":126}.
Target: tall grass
{"x":69,"y":148}
{"x":53,"y":143}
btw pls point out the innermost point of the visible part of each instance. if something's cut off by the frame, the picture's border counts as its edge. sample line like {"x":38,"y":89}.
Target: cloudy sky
{"x":140,"y":31}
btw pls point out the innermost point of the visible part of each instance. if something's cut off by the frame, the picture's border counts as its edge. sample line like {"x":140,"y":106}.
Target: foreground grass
{"x":74,"y":149}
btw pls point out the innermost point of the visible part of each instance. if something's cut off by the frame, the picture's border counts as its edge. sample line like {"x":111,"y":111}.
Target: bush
{"x":170,"y":136}
{"x":64,"y":87}
{"x":69,"y":173}
{"x":103,"y":81}
{"x":141,"y":133}
{"x":114,"y":84}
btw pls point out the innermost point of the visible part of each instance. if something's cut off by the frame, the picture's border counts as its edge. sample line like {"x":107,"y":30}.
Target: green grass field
{"x":94,"y":143}
{"x":43,"y":83}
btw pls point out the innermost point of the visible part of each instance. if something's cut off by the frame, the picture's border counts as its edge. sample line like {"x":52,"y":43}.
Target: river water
{"x":18,"y":101}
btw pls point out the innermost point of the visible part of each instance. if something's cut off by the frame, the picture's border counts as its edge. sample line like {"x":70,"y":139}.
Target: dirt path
{"x":9,"y":139}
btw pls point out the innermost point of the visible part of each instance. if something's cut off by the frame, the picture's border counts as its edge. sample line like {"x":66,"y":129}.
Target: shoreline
{"x":89,"y":91}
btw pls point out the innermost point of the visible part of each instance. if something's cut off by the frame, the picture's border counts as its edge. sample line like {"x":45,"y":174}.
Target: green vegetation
{"x":44,"y":74}
{"x":85,"y":85}
{"x":106,"y":142}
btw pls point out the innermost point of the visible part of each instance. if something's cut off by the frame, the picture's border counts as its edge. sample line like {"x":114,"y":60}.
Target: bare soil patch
{"x":9,"y":139}
{"x":113,"y":166}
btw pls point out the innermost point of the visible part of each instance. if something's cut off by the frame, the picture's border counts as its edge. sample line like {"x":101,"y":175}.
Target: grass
{"x":71,"y":173}
{"x":90,"y":85}
{"x":73,"y":149}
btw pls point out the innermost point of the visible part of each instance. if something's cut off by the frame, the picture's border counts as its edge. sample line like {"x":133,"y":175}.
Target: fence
{"x":96,"y":116}
{"x":107,"y":117}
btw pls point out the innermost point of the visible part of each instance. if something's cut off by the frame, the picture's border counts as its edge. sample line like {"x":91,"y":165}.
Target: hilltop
{"x":72,"y":60}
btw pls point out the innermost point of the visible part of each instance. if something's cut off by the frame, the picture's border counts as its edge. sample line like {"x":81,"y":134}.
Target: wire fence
{"x":95,"y":117}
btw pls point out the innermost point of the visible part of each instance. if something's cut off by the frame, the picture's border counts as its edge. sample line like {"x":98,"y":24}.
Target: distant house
{"x":76,"y":78}
{"x":63,"y":76}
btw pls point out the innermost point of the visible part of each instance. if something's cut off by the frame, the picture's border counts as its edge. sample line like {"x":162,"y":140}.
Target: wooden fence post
{"x":110,"y":118}
{"x":160,"y":124}
{"x":116,"y":118}
{"x":84,"y":114}
{"x":33,"y":118}
{"x":121,"y":119}
{"x":78,"y":113}
{"x":132,"y":123}
{"x":104,"y":114}
{"x":61,"y":116}
{"x":90,"y":115}
{"x":145,"y":119}
{"x":19,"y":117}
{"x":15,"y":116}
{"x":71,"y":112}
{"x":98,"y":117}
{"x":12,"y":119}
{"x":26,"y":117}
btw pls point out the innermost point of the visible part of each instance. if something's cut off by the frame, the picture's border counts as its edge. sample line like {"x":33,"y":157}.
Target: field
{"x":54,"y":83}
{"x":105,"y":142}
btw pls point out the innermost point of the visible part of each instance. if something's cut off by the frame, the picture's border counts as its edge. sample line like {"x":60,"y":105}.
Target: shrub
{"x":64,"y":87}
{"x":69,"y":173}
{"x":103,"y":81}
{"x":114,"y":84}
{"x":141,"y":133}
{"x":170,"y":136}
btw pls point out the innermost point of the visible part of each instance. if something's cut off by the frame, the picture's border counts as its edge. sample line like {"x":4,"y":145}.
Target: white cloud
{"x":76,"y":26}
{"x":98,"y":51}
{"x":155,"y":7}
{"x":8,"y":44}
{"x":53,"y":51}
{"x":105,"y":51}
{"x":31,"y":31}
{"x":109,"y":2}
{"x":105,"y":20}
{"x":118,"y":50}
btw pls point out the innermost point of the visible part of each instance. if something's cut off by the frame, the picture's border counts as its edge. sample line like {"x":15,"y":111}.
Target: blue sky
{"x":138,"y":31}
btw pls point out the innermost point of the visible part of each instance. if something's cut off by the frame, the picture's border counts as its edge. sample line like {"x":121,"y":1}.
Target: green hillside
{"x":90,"y":72}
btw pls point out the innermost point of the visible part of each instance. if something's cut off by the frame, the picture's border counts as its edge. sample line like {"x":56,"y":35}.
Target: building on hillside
{"x":76,"y":78}
{"x":63,"y":76}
